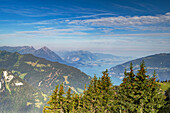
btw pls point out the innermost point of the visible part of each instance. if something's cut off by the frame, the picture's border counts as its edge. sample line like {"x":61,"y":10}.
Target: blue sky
{"x":119,"y":27}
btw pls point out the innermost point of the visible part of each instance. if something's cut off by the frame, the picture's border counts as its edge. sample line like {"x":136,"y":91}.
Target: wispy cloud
{"x":53,"y":32}
{"x":139,"y":35}
{"x":96,"y":15}
{"x":149,"y":7}
{"x":29,"y":12}
{"x":128,"y":8}
{"x":126,"y":20}
{"x":35,"y":11}
{"x":47,"y":33}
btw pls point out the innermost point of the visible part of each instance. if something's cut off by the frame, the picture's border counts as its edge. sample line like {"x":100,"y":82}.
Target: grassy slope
{"x":43,"y":74}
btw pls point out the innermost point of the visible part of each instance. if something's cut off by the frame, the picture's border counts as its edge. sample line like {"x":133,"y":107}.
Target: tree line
{"x":138,"y":93}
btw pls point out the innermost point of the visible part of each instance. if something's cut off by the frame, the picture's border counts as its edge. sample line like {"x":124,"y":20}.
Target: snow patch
{"x":39,"y":83}
{"x":8,"y":78}
{"x":2,"y":88}
{"x":19,"y":84}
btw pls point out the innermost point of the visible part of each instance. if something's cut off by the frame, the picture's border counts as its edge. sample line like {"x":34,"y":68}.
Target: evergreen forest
{"x":139,"y":93}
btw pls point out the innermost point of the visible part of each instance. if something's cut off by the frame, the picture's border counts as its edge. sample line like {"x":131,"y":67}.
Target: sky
{"x":120,"y":27}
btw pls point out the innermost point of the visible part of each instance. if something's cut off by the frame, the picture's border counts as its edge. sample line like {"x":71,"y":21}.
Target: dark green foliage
{"x":139,"y":93}
{"x":166,"y":107}
{"x":53,"y":102}
{"x":99,"y":97}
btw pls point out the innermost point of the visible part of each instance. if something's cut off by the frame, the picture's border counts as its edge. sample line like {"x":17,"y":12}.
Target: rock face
{"x":2,"y":84}
{"x":158,"y":62}
{"x":43,"y":74}
{"x":16,"y":96}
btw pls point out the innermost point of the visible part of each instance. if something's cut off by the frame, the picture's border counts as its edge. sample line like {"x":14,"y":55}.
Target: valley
{"x":40,"y":76}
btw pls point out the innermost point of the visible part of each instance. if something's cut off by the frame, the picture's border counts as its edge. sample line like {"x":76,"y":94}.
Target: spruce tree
{"x":139,"y":93}
{"x":61,"y":98}
{"x":53,"y":102}
{"x":127,"y":92}
{"x":90,"y":96}
{"x":99,"y":96}
{"x":68,"y":102}
{"x":166,"y":107}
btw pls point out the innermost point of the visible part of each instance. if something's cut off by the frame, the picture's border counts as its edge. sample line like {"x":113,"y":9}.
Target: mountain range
{"x":158,"y":62}
{"x":82,"y":58}
{"x":43,"y":74}
{"x":77,"y":59}
{"x":91,"y":63}
{"x":27,"y":80}
{"x":43,"y":52}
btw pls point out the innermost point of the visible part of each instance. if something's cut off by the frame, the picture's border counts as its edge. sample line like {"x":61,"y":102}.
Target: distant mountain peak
{"x":43,"y":52}
{"x":45,"y":48}
{"x":27,"y":47}
{"x":31,"y":47}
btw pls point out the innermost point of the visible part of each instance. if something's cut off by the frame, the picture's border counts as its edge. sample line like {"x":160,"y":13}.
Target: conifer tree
{"x":139,"y":93}
{"x":90,"y":95}
{"x":127,"y":92}
{"x":166,"y":107}
{"x":99,"y":95}
{"x":61,"y":99}
{"x":76,"y":103}
{"x":107,"y":92}
{"x":53,"y":102}
{"x":68,"y":101}
{"x":56,"y":102}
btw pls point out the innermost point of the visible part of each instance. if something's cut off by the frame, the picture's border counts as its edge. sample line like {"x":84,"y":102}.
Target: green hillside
{"x":43,"y":74}
{"x":158,"y":62}
{"x":16,"y":96}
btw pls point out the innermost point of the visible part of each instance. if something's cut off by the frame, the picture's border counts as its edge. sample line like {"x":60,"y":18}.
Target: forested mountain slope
{"x":42,"y":73}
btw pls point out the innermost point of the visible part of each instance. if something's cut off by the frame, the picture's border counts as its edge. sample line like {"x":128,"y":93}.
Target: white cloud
{"x":45,"y":22}
{"x":55,"y":32}
{"x":95,"y":15}
{"x":139,"y":35}
{"x":45,"y":33}
{"x":125,"y":20}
